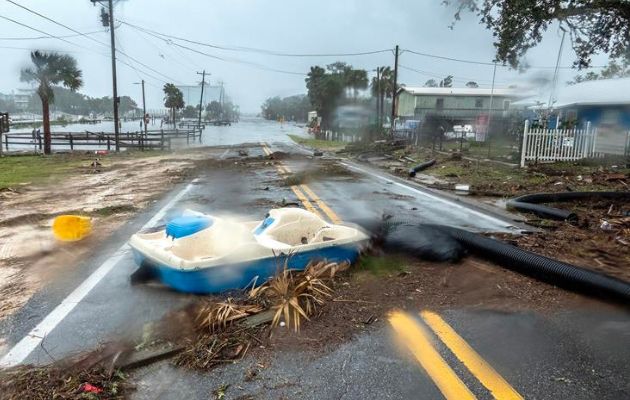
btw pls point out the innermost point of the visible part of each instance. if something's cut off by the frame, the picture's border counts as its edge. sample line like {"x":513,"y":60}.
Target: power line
{"x":435,"y":75}
{"x":230,"y":60}
{"x":30,"y":49}
{"x":48,"y":37}
{"x":40,"y":31}
{"x":483,"y":62}
{"x":258,"y":50}
{"x":56,"y":22}
{"x":74,"y":44}
{"x":161,"y":52}
{"x":88,"y":37}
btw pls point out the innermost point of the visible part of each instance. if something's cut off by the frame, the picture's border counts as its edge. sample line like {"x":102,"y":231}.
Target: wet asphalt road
{"x":576,"y":354}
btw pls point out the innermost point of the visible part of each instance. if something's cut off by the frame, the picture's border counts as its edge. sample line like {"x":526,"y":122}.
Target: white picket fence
{"x":557,"y":144}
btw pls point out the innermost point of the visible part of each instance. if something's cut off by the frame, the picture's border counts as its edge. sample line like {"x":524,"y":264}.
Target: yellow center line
{"x":334,"y":218}
{"x":499,"y":387}
{"x":307,"y":204}
{"x":417,"y":341}
{"x":282,"y":168}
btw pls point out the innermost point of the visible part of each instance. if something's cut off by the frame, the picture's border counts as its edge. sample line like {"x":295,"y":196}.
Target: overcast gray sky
{"x":290,"y":26}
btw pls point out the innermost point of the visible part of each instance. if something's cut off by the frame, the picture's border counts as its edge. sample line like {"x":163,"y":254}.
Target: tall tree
{"x":173,"y":99}
{"x":51,"y":69}
{"x":595,"y":26}
{"x":214,"y":110}
{"x":447,"y":82}
{"x":431,"y":83}
{"x":357,"y":79}
{"x":472,"y":84}
{"x":615,"y":69}
{"x":191,"y":111}
{"x":385,"y":86}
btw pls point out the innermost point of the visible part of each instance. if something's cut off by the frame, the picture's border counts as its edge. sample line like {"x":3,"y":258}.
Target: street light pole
{"x":378,"y":98}
{"x":203,"y":83}
{"x":144,"y":108}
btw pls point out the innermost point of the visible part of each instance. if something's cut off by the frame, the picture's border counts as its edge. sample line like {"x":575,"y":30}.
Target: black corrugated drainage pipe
{"x":420,"y":167}
{"x":530,"y":203}
{"x":540,"y":267}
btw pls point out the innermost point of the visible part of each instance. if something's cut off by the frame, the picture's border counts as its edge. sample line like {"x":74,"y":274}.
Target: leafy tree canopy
{"x":431,"y":83}
{"x":613,"y":70}
{"x":328,"y":87}
{"x":594,"y":26}
{"x":447,"y":82}
{"x":292,"y":108}
{"x":472,"y":84}
{"x":173,"y":97}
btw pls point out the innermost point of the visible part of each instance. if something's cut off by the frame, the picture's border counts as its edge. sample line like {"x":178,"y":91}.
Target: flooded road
{"x":247,"y":130}
{"x":577,"y":353}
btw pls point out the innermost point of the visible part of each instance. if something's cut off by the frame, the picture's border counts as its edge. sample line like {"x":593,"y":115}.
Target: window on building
{"x":506,"y":104}
{"x":439,"y":104}
{"x":479,"y":103}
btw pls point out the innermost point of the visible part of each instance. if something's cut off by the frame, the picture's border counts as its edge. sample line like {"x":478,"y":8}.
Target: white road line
{"x":28,"y":343}
{"x":225,"y":153}
{"x":495,"y":220}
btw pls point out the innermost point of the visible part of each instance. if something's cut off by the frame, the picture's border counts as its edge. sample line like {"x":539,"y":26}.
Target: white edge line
{"x":28,"y":343}
{"x":501,"y":222}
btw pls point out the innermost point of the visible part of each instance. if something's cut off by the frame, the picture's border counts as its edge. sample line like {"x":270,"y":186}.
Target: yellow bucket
{"x":70,"y":228}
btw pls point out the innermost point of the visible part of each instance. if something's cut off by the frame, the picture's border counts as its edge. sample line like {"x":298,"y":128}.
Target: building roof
{"x":446,"y":91}
{"x":599,"y":92}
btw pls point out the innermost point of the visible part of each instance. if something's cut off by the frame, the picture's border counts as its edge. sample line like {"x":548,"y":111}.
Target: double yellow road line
{"x":416,"y":337}
{"x":418,"y":340}
{"x":310,"y":197}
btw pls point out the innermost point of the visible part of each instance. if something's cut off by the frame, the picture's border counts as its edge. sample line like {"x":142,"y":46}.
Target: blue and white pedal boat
{"x":198,"y":253}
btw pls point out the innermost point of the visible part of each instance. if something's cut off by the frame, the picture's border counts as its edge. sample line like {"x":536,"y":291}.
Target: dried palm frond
{"x":320,"y":269}
{"x":293,"y":295}
{"x":216,"y":316}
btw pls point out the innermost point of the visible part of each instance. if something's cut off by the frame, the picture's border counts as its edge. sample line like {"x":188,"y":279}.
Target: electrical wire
{"x":455,"y":77}
{"x":461,"y":60}
{"x":84,"y":35}
{"x":48,"y":37}
{"x":213,"y":56}
{"x":40,"y":31}
{"x":256,"y":50}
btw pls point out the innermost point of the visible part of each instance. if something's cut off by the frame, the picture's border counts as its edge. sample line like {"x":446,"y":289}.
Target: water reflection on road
{"x":245,"y":131}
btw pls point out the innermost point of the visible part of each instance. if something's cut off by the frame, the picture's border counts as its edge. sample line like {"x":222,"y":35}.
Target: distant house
{"x":20,"y":98}
{"x":603,"y":103}
{"x":435,"y":107}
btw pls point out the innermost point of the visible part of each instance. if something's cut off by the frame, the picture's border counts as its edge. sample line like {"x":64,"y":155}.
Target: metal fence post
{"x":524,"y":143}
{"x":71,"y":142}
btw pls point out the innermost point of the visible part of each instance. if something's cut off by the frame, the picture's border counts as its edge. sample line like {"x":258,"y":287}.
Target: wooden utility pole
{"x":110,"y":21}
{"x":394,"y":89}
{"x":490,"y":106}
{"x":378,"y":97}
{"x":203,"y":83}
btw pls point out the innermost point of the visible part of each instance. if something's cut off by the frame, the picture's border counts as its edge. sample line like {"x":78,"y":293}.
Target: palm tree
{"x":173,"y":99}
{"x":51,"y":69}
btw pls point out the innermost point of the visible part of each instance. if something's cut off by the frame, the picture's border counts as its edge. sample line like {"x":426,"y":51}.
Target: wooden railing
{"x":151,"y":140}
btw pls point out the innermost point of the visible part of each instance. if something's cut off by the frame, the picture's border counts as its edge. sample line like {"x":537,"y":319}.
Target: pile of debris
{"x":209,"y":333}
